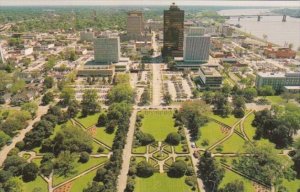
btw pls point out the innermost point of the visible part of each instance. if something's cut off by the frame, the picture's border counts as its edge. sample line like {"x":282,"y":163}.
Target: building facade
{"x":107,"y":49}
{"x":87,"y":35}
{"x":135,"y":23}
{"x":173,"y":32}
{"x":210,"y":77}
{"x":196,"y":48}
{"x":278,"y":80}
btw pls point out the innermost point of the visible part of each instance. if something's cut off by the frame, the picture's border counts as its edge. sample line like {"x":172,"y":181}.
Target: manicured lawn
{"x":249,"y":129}
{"x":160,"y":182}
{"x":276,"y":100}
{"x":82,"y":182}
{"x":211,"y":132}
{"x":292,"y":185}
{"x":104,"y":137}
{"x":230,"y":120}
{"x":139,"y":159}
{"x":38,"y":183}
{"x":158,"y":123}
{"x":139,"y":150}
{"x":234,"y":144}
{"x":229,"y":160}
{"x":89,"y":120}
{"x":231,"y":176}
{"x":96,"y":147}
{"x":79,"y":168}
{"x":37,"y":161}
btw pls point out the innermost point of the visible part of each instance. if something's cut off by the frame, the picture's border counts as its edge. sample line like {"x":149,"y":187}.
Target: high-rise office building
{"x":196,"y":45}
{"x":173,"y":32}
{"x":135,"y":23}
{"x":107,"y":49}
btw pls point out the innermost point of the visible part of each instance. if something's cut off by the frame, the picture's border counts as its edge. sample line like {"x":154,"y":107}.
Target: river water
{"x":278,"y":32}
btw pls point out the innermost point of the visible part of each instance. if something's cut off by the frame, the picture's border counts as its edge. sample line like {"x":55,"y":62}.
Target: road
{"x":4,"y":151}
{"x":122,"y":179}
{"x":156,"y":84}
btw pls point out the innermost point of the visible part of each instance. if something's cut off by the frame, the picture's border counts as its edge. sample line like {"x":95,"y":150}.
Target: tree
{"x":144,"y":138}
{"x":100,"y":175}
{"x":266,"y":90}
{"x":264,"y":164}
{"x":50,"y":63}
{"x":144,"y":169}
{"x":102,"y":120}
{"x":3,"y":138}
{"x":67,"y":95}
{"x":73,"y":109}
{"x":173,"y":138}
{"x":167,"y":98}
{"x":18,"y":86}
{"x":235,"y":186}
{"x":177,"y":169}
{"x":14,"y":184}
{"x":296,"y":157}
{"x":64,"y":164}
{"x":47,"y":98}
{"x":208,"y":96}
{"x":14,"y":164}
{"x":30,"y":172}
{"x":145,"y":97}
{"x":121,"y":92}
{"x":239,"y":106}
{"x":48,"y":82}
{"x":249,"y":94}
{"x":221,"y":105}
{"x":84,"y":157}
{"x":31,"y":107}
{"x":210,"y":172}
{"x":89,"y":103}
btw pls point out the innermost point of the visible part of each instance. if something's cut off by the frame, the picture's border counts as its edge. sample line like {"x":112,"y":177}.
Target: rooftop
{"x":209,"y":71}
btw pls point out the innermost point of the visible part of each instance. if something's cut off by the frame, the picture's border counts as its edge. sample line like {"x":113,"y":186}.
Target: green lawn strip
{"x":168,"y":148}
{"x":248,"y":128}
{"x":89,"y":120}
{"x":231,"y":176}
{"x":152,"y":149}
{"x":227,"y":160}
{"x":158,"y":123}
{"x":160,"y":182}
{"x":292,"y":185}
{"x":79,"y":168}
{"x":139,"y":150}
{"x":179,"y":149}
{"x":139,"y":159}
{"x":82,"y":182}
{"x":234,"y":144}
{"x":212,"y":132}
{"x":96,"y":147}
{"x":187,"y":159}
{"x":104,"y":137}
{"x":169,"y":162}
{"x":276,"y":100}
{"x":37,"y":161}
{"x":38,"y":183}
{"x":230,"y":120}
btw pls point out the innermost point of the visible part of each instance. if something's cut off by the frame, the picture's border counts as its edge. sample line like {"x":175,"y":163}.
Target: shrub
{"x":173,"y":138}
{"x":144,"y":169}
{"x":177,"y":169}
{"x":84,"y":157}
{"x":101,"y":149}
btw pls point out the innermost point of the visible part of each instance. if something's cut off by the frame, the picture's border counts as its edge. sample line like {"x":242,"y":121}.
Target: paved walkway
{"x":122,"y":179}
{"x":156,"y":84}
{"x":5,"y":150}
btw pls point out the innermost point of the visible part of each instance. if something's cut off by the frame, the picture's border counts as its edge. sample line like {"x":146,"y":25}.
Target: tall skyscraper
{"x":196,"y":45}
{"x":135,"y":23}
{"x":107,"y":49}
{"x":173,"y":32}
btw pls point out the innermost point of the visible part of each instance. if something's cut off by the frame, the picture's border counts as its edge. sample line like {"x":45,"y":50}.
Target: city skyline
{"x":148,"y":2}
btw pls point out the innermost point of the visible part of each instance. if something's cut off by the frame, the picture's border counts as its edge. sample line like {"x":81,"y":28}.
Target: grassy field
{"x":293,"y":185}
{"x":276,"y":100}
{"x":38,"y":183}
{"x":249,"y":129}
{"x":233,"y":145}
{"x":158,"y":123}
{"x":231,"y":176}
{"x":82,"y":182}
{"x":230,"y":120}
{"x":104,"y":137}
{"x":211,"y":132}
{"x":89,"y":120}
{"x":79,"y":168}
{"x":139,"y":150}
{"x":160,"y":182}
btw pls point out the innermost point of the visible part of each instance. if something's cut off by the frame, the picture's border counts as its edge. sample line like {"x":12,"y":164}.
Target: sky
{"x":295,"y":4}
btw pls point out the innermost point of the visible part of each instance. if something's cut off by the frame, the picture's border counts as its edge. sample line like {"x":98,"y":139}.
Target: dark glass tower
{"x":173,"y":32}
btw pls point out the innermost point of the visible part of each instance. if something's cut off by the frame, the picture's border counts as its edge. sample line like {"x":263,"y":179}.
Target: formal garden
{"x":160,"y":156}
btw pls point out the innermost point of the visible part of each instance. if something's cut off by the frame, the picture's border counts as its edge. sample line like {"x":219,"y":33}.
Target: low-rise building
{"x":279,"y":52}
{"x":210,"y":77}
{"x":278,"y":80}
